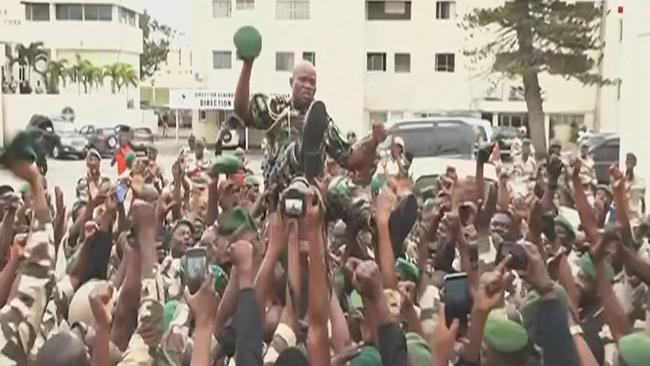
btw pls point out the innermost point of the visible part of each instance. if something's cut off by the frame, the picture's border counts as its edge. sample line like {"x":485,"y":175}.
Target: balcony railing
{"x":292,"y":9}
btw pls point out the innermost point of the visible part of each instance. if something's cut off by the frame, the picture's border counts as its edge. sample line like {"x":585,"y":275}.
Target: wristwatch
{"x":575,"y":330}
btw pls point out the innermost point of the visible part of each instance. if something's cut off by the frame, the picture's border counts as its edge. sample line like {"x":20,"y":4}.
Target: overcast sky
{"x":175,"y":13}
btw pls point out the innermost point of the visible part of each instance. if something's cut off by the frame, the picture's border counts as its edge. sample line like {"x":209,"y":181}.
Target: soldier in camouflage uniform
{"x":299,"y":132}
{"x":22,"y":316}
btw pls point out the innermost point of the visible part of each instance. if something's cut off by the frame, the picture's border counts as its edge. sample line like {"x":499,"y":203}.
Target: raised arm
{"x":587,"y":216}
{"x":242,"y":93}
{"x":615,"y":315}
{"x":318,"y":310}
{"x":385,"y":203}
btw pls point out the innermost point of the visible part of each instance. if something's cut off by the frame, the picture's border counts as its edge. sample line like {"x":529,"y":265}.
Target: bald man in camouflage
{"x":299,"y":131}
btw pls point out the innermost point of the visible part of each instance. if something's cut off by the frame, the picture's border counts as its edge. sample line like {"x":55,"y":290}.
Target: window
{"x":376,"y":61}
{"x":402,"y":62}
{"x":309,"y":56}
{"x":513,"y":119}
{"x":566,"y":119}
{"x":98,"y":12}
{"x":377,"y":117}
{"x":245,"y":4}
{"x":388,"y":10}
{"x":292,"y":9}
{"x":37,"y":12}
{"x":445,"y":10}
{"x":445,"y":62}
{"x":221,"y":60}
{"x":69,"y":12}
{"x":127,"y":17}
{"x":221,"y":8}
{"x":284,"y":61}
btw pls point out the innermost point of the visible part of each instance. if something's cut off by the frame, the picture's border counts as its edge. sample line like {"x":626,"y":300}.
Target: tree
{"x":529,"y":37}
{"x":74,"y":73}
{"x":55,"y":73}
{"x":121,"y":74}
{"x":87,"y":71}
{"x":113,"y":71}
{"x":155,"y":45}
{"x":29,"y":56}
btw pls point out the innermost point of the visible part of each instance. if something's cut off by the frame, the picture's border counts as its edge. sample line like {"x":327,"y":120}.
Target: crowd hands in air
{"x":215,"y":266}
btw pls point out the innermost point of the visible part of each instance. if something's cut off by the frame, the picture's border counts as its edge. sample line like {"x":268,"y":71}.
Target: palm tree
{"x":29,"y":56}
{"x":129,"y":76}
{"x":74,"y":73}
{"x":55,"y":73}
{"x":87,"y":71}
{"x":113,"y":71}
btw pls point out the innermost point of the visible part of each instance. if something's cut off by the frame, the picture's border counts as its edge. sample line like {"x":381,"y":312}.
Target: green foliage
{"x":121,"y":74}
{"x":155,"y":45}
{"x":55,"y":73}
{"x":539,"y":36}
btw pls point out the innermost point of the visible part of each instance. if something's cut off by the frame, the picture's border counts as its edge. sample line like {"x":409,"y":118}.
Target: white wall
{"x":334,"y":33}
{"x":100,"y":110}
{"x":635,"y":98}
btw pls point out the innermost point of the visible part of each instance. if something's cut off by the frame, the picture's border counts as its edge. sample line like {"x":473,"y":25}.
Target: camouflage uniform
{"x":21,"y":318}
{"x":350,"y":203}
{"x":283,"y":125}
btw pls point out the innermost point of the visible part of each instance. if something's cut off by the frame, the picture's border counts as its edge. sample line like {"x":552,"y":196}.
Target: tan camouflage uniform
{"x":21,"y":318}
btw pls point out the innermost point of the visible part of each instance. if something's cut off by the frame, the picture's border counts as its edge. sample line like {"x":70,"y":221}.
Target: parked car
{"x":103,"y":139}
{"x":70,"y":141}
{"x":437,"y":136}
{"x":141,"y":139}
{"x":604,"y":148}
{"x":426,"y":171}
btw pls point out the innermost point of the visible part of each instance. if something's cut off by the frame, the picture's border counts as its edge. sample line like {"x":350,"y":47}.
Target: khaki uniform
{"x":21,"y":318}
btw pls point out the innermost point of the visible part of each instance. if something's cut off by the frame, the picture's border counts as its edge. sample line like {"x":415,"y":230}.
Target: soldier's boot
{"x":311,"y":148}
{"x":354,"y":206}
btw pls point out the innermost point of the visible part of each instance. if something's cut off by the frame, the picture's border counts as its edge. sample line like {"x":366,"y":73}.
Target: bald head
{"x":303,"y":84}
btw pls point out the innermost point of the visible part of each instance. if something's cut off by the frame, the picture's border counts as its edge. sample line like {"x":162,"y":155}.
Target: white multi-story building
{"x":379,"y":60}
{"x":177,"y":71}
{"x":100,"y":31}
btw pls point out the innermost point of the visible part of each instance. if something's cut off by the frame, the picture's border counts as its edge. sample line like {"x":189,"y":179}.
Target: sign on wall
{"x":204,"y":99}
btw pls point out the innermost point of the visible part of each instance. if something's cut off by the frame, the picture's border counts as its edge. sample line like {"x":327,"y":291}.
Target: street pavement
{"x":65,"y":173}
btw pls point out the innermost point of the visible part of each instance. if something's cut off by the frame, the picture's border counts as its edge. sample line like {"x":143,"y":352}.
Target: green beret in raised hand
{"x":248,"y":42}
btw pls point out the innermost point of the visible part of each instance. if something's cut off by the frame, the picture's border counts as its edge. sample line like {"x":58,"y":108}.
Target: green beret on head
{"x":168,"y":313}
{"x":525,"y":142}
{"x":555,"y":143}
{"x":377,"y":183}
{"x":369,"y":356}
{"x":503,"y":334}
{"x":252,"y":180}
{"x":418,"y":350}
{"x":130,"y":157}
{"x":562,"y":221}
{"x":606,"y":188}
{"x":248,"y":42}
{"x":184,"y":221}
{"x":407,"y":270}
{"x":236,"y":221}
{"x":634,"y":349}
{"x":587,"y":266}
{"x":226,"y":164}
{"x":95,"y":153}
{"x":530,"y":309}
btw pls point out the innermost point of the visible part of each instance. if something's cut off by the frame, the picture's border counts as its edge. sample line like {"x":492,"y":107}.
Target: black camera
{"x":293,"y":201}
